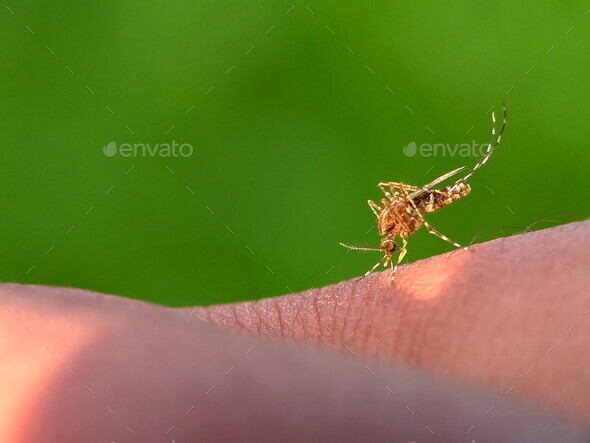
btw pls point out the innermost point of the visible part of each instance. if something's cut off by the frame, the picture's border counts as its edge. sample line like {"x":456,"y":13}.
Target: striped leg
{"x":392,"y":192}
{"x":374,"y":267}
{"x":439,"y":235}
{"x":400,"y":257}
{"x":374,"y":207}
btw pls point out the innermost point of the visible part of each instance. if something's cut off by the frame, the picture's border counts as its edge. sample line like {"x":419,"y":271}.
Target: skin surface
{"x":435,"y":353}
{"x":512,"y":314}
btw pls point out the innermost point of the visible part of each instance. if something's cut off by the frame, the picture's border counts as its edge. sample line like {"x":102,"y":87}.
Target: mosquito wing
{"x":436,"y":181}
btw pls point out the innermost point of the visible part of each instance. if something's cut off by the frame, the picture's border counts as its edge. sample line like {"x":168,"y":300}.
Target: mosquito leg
{"x":404,"y":190}
{"x":375,"y":208}
{"x":393,"y":185}
{"x":430,"y":206}
{"x":387,"y":260}
{"x":400,"y":257}
{"x":386,"y":192}
{"x":374,"y":267}
{"x":491,"y":147}
{"x":431,"y":230}
{"x":392,"y":192}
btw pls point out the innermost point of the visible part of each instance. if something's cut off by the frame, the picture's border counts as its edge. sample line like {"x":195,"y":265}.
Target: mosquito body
{"x":401,"y":211}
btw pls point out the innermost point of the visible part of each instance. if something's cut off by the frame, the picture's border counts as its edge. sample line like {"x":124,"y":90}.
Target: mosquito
{"x":402,"y":210}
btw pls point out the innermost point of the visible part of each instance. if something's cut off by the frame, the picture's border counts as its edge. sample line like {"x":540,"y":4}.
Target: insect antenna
{"x":491,"y":147}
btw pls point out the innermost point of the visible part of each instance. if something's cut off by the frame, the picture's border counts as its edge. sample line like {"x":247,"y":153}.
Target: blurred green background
{"x":318,"y":103}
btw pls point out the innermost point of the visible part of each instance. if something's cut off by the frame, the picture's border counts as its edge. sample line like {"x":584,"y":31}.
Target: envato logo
{"x":164,"y":150}
{"x":472,"y":149}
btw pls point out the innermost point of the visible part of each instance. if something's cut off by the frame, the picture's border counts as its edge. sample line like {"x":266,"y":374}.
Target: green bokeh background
{"x":288,"y":145}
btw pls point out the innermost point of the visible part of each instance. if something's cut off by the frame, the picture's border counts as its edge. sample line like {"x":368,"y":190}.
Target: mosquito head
{"x":388,"y":245}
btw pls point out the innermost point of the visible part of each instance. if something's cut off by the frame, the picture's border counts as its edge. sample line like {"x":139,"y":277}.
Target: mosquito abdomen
{"x":436,"y":199}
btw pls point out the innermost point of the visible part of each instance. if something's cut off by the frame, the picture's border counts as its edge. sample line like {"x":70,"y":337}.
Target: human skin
{"x":489,"y":344}
{"x":512,"y":314}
